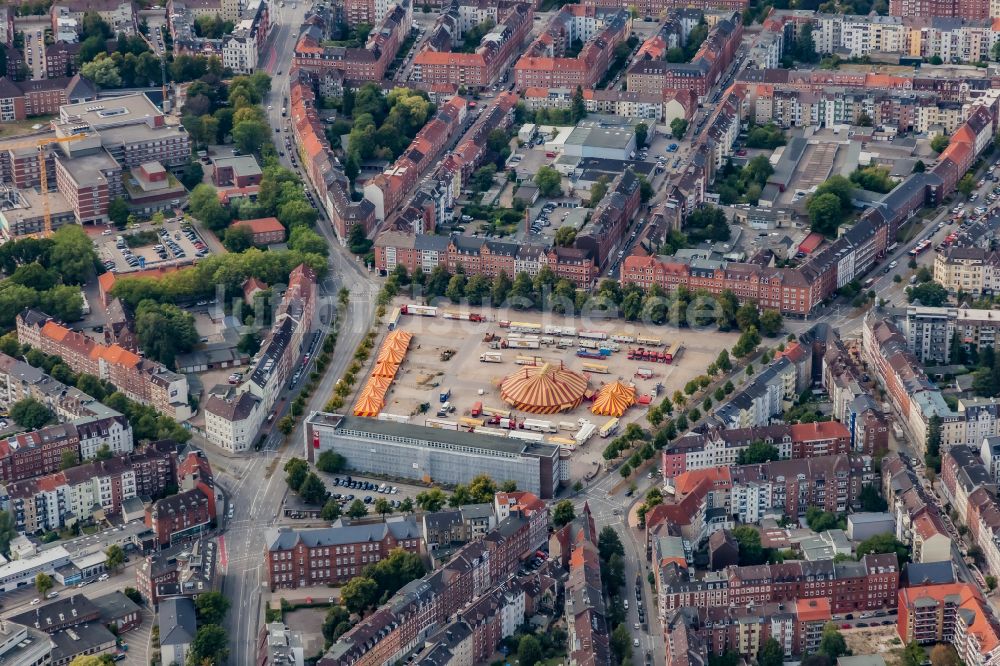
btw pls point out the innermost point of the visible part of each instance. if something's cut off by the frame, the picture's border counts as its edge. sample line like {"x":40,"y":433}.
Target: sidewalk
{"x":315,"y":596}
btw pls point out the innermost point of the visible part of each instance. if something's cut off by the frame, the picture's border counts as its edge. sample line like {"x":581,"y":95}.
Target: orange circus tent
{"x":613,"y":399}
{"x":544,"y":389}
{"x":368,"y":404}
{"x":385,"y":369}
{"x":391,"y":355}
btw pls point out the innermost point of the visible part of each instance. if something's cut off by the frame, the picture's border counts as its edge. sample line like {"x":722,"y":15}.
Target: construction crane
{"x":39,"y":145}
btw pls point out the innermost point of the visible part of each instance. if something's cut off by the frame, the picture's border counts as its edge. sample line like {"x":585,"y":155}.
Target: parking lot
{"x":149,"y":246}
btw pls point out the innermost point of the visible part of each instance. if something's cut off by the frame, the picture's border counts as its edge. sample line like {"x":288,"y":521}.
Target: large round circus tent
{"x":543,"y":389}
{"x":613,"y":399}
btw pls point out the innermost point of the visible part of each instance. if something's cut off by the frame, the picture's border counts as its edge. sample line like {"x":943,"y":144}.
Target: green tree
{"x":771,"y":654}
{"x":871,"y":499}
{"x":431,"y":500}
{"x":337,"y":618}
{"x":312,"y":490}
{"x":914,"y":654}
{"x":579,"y":108}
{"x":297,"y":469}
{"x":331,"y":510}
{"x":609,"y":543}
{"x":118,"y":212}
{"x":7,"y":532}
{"x":305,"y":240}
{"x":210,"y":645}
{"x":930,"y":294}
{"x":382,"y":507}
{"x":757,"y":452}
{"x":943,"y":654}
{"x":330,"y":461}
{"x":967,"y":184}
{"x":72,"y":255}
{"x":641,"y":134}
{"x":31,"y":414}
{"x":771,"y":323}
{"x":884,"y":543}
{"x":565,"y":236}
{"x":238,"y":238}
{"x":529,"y":650}
{"x":43,"y":583}
{"x":114,"y":558}
{"x":748,"y":538}
{"x":103,"y":71}
{"x":549,"y":182}
{"x":563,"y":513}
{"x":359,"y":594}
{"x":211,"y":607}
{"x":824,"y":213}
{"x":357,"y":509}
{"x":68,"y":459}
{"x":621,"y":644}
{"x":831,"y":643}
{"x":939,"y":143}
{"x":205,"y":206}
{"x":597,"y":192}
{"x":192,"y":175}
{"x":164,"y":330}
{"x":678,"y":127}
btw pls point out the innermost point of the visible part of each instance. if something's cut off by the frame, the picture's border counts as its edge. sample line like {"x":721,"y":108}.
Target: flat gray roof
{"x":418,"y":433}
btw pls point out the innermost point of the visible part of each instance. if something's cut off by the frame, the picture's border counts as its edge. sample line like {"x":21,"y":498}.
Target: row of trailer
{"x":499,"y":423}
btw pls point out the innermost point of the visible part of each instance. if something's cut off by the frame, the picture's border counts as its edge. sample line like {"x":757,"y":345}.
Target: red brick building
{"x":545,"y":65}
{"x":186,"y":515}
{"x":242,"y":171}
{"x":483,"y":67}
{"x":869,"y":584}
{"x":264,"y":230}
{"x":35,"y":453}
{"x":334,"y":555}
{"x":965,"y":9}
{"x":60,"y":59}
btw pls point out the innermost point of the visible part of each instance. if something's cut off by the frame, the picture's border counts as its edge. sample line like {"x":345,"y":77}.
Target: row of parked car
{"x":385,"y":489}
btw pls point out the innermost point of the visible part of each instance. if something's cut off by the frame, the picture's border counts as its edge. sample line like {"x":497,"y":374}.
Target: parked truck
{"x":585,"y":432}
{"x":477,"y":408}
{"x":528,"y":360}
{"x":462,"y":316}
{"x":539,"y":426}
{"x":491,"y":357}
{"x":419,"y":310}
{"x":445,"y":395}
{"x":523,"y":344}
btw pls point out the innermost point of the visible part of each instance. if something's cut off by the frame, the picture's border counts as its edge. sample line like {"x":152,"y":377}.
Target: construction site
{"x":555,"y":381}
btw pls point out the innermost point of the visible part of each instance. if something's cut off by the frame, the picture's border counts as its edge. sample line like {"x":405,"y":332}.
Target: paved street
{"x":255,"y":483}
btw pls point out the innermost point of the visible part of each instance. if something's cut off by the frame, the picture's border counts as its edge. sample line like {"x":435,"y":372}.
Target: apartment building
{"x":930,"y":332}
{"x":436,"y":63}
{"x":971,"y":270}
{"x":89,"y":183}
{"x":720,"y":446}
{"x":334,"y":555}
{"x":421,"y":606}
{"x":138,"y":378}
{"x":186,"y":515}
{"x":61,"y":59}
{"x":869,"y":584}
{"x":233,"y":419}
{"x":610,"y":219}
{"x":655,"y":76}
{"x":545,"y":63}
{"x":389,"y":189}
{"x":120,"y":15}
{"x":965,"y":9}
{"x":763,"y":397}
{"x":242,"y":47}
{"x":89,"y":491}
{"x":263,"y":231}
{"x":22,"y":99}
{"x":322,"y":168}
{"x":356,"y":65}
{"x":789,"y":487}
{"x":183,"y":570}
{"x":953,"y":613}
